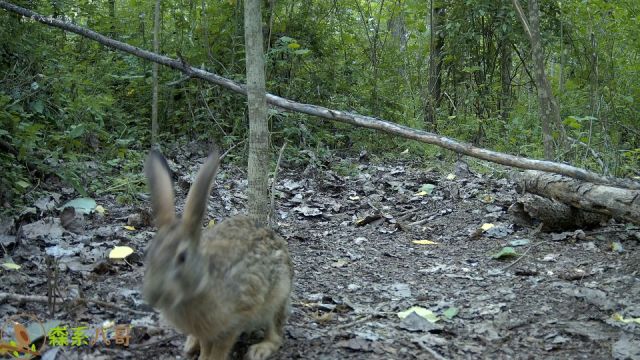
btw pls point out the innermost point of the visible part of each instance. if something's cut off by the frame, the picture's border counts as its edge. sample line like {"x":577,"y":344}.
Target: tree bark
{"x":549,"y":112}
{"x":623,"y":204}
{"x":434,"y":96}
{"x":530,"y":210}
{"x":154,"y":100}
{"x":258,"y":166}
{"x":336,"y":115}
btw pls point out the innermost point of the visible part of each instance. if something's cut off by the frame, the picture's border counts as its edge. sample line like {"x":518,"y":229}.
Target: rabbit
{"x":217,"y":283}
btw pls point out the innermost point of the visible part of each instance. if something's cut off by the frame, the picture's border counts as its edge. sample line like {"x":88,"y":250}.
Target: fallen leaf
{"x":100,"y":210}
{"x":519,"y":242}
{"x":451,"y":312}
{"x":340,"y":263}
{"x":505,"y":252}
{"x":427,"y":188}
{"x":617,"y":247}
{"x":10,"y":266}
{"x":211,"y":223}
{"x":130,"y":228}
{"x":487,"y":226}
{"x":424,"y":242}
{"x":618,"y":317}
{"x":451,"y":177}
{"x":420,"y":311}
{"x":120,"y":252}
{"x":81,"y":205}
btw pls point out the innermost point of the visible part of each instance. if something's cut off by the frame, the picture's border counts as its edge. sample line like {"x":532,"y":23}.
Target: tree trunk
{"x":434,"y":95}
{"x":154,"y":100}
{"x":205,"y":31}
{"x":112,"y":18}
{"x":623,"y":204}
{"x":530,"y":210}
{"x":549,"y":113}
{"x":257,"y":103}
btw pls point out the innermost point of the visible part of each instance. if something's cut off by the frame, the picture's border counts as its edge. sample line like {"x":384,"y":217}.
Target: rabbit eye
{"x":182,"y":256}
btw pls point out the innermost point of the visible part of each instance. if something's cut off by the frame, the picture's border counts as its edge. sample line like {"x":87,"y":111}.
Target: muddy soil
{"x":367,"y":245}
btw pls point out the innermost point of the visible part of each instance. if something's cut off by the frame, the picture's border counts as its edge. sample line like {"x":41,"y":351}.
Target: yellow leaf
{"x":420,"y":311}
{"x":211,"y":223}
{"x":451,"y":177}
{"x":354,"y":198}
{"x":486,"y":226}
{"x":120,"y":252}
{"x":340,"y":263}
{"x":293,"y":46}
{"x":424,"y":242}
{"x":100,"y":210}
{"x":11,"y":266}
{"x":487,"y":199}
{"x":130,"y":228}
{"x":421,"y":193}
{"x":618,"y":317}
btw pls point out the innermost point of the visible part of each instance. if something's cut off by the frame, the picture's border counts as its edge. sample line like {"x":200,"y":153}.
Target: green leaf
{"x":81,"y":205}
{"x":23,"y":184}
{"x":302,"y":51}
{"x":506,"y":252}
{"x":76,"y":131}
{"x":37,"y":106}
{"x":451,"y":312}
{"x":427,"y":188}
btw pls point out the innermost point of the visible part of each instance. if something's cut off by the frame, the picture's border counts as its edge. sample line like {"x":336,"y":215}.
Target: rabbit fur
{"x":217,"y":283}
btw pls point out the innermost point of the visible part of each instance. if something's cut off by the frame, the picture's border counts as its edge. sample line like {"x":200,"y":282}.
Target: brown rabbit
{"x":217,"y":283}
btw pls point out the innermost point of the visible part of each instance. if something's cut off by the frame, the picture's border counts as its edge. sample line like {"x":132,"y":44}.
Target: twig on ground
{"x":44,"y":299}
{"x":523,"y":255}
{"x":154,"y":343}
{"x":353,"y":323}
{"x":273,"y":185}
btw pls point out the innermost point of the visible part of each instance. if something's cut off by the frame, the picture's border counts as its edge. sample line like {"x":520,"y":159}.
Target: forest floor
{"x":361,"y":257}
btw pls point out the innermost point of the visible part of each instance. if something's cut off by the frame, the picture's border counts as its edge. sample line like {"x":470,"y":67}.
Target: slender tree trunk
{"x":154,"y":101}
{"x":549,"y":112}
{"x":257,"y":103}
{"x":205,"y":30}
{"x":593,"y":77}
{"x":434,"y":96}
{"x":506,"y":60}
{"x":112,"y":18}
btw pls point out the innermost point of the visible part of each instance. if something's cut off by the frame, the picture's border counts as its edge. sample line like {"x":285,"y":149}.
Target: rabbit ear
{"x":162,"y":202}
{"x":198,"y":196}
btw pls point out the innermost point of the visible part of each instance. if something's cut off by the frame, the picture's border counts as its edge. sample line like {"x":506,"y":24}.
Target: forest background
{"x":461,"y":69}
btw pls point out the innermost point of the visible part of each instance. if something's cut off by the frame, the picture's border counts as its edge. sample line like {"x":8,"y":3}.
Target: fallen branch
{"x":44,"y":299}
{"x":334,"y":115}
{"x":623,"y":204}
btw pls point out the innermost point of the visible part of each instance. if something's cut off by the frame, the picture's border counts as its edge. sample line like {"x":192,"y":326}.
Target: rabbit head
{"x":175,"y":271}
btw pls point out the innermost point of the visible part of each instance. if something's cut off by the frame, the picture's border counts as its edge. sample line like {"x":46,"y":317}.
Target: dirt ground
{"x":358,"y":242}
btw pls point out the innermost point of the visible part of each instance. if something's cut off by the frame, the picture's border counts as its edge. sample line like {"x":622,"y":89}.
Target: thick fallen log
{"x":330,"y":114}
{"x":532,"y":210}
{"x":621,"y":204}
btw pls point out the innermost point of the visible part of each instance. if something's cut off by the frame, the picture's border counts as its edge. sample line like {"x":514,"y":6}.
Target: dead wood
{"x":622,"y":204}
{"x":531,"y":210}
{"x":330,"y":114}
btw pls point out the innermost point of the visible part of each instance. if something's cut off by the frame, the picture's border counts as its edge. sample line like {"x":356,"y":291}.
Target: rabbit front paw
{"x":261,"y":351}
